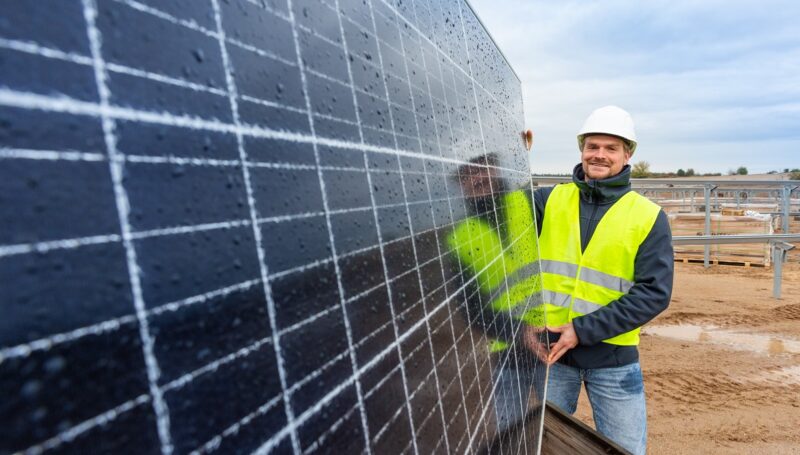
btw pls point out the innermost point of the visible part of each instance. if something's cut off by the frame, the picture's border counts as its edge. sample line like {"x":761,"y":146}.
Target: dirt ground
{"x":722,"y":364}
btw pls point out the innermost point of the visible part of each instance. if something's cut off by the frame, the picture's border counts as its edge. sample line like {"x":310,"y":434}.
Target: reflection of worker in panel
{"x":607,"y":266}
{"x":496,"y":246}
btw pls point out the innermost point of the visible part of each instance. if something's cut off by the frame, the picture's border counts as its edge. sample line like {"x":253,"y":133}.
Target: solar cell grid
{"x":224,"y":225}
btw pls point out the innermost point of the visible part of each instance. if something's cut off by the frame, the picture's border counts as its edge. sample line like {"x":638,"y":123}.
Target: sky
{"x":712,"y":85}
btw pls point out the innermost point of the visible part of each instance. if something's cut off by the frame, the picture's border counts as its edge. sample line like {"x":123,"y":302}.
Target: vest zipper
{"x":595,"y":204}
{"x":593,"y":200}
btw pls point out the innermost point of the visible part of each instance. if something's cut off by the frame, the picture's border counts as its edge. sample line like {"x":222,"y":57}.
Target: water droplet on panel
{"x":199,"y":55}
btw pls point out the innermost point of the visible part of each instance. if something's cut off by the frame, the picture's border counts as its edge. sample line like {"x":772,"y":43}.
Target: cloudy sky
{"x":712,"y":84}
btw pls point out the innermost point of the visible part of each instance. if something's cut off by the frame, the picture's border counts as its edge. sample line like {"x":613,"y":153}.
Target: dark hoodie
{"x":649,"y":296}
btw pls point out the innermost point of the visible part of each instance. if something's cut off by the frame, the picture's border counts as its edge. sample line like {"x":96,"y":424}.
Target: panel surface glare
{"x":226,"y":226}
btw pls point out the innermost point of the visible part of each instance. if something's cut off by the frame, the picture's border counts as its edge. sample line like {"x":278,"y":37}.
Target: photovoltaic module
{"x":224,"y":224}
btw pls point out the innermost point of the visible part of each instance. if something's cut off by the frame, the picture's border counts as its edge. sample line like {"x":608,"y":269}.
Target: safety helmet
{"x":611,"y":120}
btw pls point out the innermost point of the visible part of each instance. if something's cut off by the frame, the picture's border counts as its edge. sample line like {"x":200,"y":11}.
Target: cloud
{"x":720,"y":80}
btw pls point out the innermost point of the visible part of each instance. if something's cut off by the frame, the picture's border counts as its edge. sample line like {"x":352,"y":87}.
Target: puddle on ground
{"x":787,"y":375}
{"x":762,"y":344}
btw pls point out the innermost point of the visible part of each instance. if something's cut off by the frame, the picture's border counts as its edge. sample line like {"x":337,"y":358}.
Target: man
{"x":607,"y":269}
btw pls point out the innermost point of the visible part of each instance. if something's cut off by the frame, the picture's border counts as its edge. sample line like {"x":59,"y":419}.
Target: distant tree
{"x":794,"y":174}
{"x":786,"y":169}
{"x":690,"y":172}
{"x":640,"y":170}
{"x":742,"y":170}
{"x":681,"y":173}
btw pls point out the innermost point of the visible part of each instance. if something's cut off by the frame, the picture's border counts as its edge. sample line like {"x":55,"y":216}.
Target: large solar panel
{"x":224,"y":225}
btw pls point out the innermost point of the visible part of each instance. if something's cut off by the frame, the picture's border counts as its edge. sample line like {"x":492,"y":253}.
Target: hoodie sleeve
{"x":649,"y":296}
{"x":540,"y":197}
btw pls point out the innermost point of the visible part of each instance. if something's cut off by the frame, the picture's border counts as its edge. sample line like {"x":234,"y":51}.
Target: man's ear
{"x":628,"y":156}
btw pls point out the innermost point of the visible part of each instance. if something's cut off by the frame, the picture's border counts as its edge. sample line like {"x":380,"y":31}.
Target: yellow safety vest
{"x":506,"y":270}
{"x":578,"y":283}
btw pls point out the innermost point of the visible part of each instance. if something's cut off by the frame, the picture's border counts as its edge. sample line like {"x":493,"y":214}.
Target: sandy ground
{"x":722,"y":364}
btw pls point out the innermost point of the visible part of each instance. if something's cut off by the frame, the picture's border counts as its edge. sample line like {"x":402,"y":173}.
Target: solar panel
{"x":224,"y":225}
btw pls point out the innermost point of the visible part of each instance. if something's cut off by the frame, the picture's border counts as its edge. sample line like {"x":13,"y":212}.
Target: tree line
{"x":641,"y":169}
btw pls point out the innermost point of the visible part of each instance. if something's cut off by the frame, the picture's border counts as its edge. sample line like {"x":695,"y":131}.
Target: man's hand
{"x":533,"y":342}
{"x":567,"y":341}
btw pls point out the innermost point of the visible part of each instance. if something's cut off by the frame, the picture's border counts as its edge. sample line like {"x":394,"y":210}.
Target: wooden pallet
{"x":747,"y":254}
{"x":712,"y":261}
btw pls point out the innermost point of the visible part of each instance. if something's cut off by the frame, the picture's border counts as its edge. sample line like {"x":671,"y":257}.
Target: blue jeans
{"x":615,"y":394}
{"x":617,"y":399}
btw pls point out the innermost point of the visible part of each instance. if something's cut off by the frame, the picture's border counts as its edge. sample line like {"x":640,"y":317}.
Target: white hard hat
{"x":611,"y":120}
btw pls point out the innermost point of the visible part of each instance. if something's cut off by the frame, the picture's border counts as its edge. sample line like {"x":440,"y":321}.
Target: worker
{"x":496,"y":248}
{"x":607,"y":268}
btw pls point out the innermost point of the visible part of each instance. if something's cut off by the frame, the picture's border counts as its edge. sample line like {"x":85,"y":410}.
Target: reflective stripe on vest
{"x":506,"y":271}
{"x":589,"y":275}
{"x":579,"y":282}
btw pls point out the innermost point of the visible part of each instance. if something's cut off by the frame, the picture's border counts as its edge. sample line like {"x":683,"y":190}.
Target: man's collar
{"x":605,"y":190}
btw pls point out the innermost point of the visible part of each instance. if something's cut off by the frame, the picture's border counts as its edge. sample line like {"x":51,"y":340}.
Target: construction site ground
{"x":722,"y":364}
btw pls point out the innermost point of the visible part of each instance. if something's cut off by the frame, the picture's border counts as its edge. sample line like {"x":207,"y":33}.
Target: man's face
{"x":476,"y":181}
{"x":603,"y":156}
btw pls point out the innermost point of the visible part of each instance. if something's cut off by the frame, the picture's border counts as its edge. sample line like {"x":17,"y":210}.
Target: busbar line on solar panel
{"x":492,"y":190}
{"x":401,"y":408}
{"x":42,"y":247}
{"x":411,"y":224}
{"x":450,"y":316}
{"x":214,"y":443}
{"x":29,"y":154}
{"x":267,"y":103}
{"x":408,"y":215}
{"x":461,"y":271}
{"x":483,"y":140}
{"x":68,"y":105}
{"x":123,"y":208}
{"x":472,"y":344}
{"x":64,"y":104}
{"x":25,"y":349}
{"x":319,"y":443}
{"x":213,"y":366}
{"x":52,"y":155}
{"x":87,"y":425}
{"x":397,"y":413}
{"x":345,"y":316}
{"x":394,"y":132}
{"x":479,"y":297}
{"x":34,"y":48}
{"x":402,"y":180}
{"x":412,"y":396}
{"x":271,"y":311}
{"x":438,"y":250}
{"x":113,"y":324}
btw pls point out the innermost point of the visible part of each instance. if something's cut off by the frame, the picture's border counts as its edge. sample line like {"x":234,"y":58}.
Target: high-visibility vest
{"x":578,"y":282}
{"x":506,"y":270}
